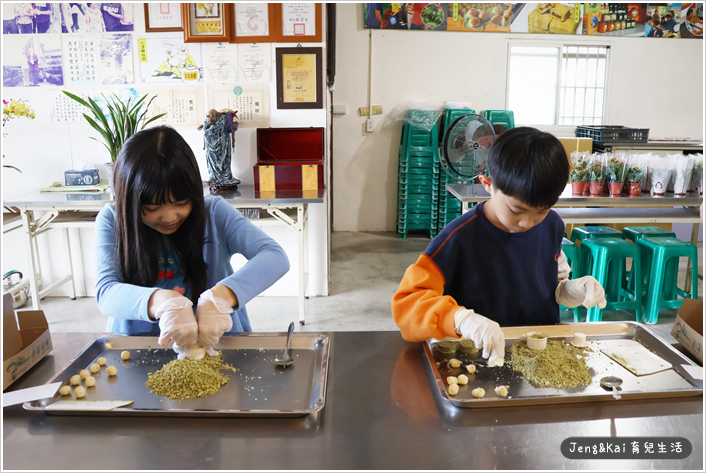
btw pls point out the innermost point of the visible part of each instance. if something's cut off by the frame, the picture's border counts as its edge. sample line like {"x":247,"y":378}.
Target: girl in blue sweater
{"x":163,"y":250}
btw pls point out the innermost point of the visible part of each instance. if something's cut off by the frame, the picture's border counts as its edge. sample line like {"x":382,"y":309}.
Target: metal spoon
{"x":612,"y":382}
{"x":286,"y":359}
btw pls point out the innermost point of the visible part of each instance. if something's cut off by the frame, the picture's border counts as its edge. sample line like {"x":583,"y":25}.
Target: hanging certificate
{"x":161,"y":17}
{"x":298,"y":22}
{"x":299,"y":78}
{"x":206,"y":22}
{"x":252,"y":23}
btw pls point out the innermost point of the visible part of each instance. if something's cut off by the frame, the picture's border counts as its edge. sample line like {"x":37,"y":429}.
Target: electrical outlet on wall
{"x":370,"y":126}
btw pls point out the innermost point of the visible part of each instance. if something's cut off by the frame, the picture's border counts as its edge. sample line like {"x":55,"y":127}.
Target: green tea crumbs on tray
{"x":560,"y":365}
{"x":189,"y":379}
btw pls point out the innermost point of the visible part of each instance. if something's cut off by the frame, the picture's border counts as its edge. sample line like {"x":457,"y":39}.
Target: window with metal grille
{"x":557,"y":84}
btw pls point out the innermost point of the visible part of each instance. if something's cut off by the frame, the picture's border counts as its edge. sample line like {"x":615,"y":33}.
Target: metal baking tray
{"x":675,"y":382}
{"x":259,"y":388}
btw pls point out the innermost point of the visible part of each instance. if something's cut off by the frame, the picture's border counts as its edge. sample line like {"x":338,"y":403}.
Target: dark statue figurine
{"x":219,"y":141}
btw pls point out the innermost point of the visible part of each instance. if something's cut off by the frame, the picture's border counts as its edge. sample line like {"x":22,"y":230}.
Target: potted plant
{"x":14,"y":109}
{"x":616,"y":175}
{"x":597,"y":178}
{"x":635,"y":175}
{"x":125,"y":118}
{"x":579,"y":177}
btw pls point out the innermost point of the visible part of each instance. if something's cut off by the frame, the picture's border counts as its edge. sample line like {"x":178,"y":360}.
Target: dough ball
{"x":501,"y":391}
{"x":125,"y":355}
{"x":462,"y":379}
{"x":90,"y":381}
{"x":75,"y":379}
{"x":478,"y":392}
{"x":453,"y":389}
{"x":65,"y":390}
{"x":452,"y":380}
{"x":471,"y":368}
{"x":454,"y":363}
{"x":84,"y":374}
{"x":101,"y":361}
{"x":111,"y":370}
{"x":196,"y":353}
{"x":95,"y":367}
{"x":80,"y":391}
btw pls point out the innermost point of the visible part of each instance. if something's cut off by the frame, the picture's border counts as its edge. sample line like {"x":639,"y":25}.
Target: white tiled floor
{"x":366,"y":269}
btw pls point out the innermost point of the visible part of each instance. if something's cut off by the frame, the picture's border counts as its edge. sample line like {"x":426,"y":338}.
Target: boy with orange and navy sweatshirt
{"x":502,"y":258}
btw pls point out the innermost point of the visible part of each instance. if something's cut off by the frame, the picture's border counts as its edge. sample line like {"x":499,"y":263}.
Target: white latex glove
{"x":564,"y":268}
{"x":575,"y":292}
{"x":196,"y":352}
{"x":213,"y":315}
{"x":177,"y":324}
{"x":485,"y":333}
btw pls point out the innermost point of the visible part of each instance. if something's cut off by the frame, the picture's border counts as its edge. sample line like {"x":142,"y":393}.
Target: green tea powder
{"x":189,"y":379}
{"x":560,"y":365}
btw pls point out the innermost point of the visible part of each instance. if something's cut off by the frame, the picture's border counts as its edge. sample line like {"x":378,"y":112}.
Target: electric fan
{"x":465,"y":147}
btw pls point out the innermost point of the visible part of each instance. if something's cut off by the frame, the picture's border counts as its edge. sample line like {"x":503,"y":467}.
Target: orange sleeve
{"x":419,"y":307}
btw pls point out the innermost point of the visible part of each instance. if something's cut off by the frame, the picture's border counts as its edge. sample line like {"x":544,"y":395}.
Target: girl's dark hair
{"x":529,"y":165}
{"x":153,"y":164}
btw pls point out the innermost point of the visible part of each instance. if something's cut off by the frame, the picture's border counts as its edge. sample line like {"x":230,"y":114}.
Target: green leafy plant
{"x":597,"y":172}
{"x":616,"y":170}
{"x":579,"y":173}
{"x":125,"y":119}
{"x":635,"y":174}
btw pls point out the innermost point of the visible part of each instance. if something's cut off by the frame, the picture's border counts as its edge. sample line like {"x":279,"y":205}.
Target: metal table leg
{"x":27,"y":217}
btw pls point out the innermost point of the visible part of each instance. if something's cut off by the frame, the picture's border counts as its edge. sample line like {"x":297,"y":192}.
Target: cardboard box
{"x":82,"y":178}
{"x":22,"y":347}
{"x":689,"y":327}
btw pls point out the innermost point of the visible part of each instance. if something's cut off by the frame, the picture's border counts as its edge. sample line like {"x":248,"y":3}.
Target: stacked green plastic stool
{"x":661,"y":292}
{"x":607,"y":254}
{"x":449,"y":206}
{"x":634,"y":234}
{"x":502,"y":120}
{"x":418,"y":178}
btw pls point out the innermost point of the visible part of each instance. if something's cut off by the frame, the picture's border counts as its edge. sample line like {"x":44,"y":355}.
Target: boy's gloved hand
{"x":213,"y":315}
{"x":177,"y":323}
{"x":485,"y":333}
{"x":575,"y":292}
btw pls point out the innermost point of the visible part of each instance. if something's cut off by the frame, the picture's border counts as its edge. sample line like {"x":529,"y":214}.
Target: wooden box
{"x":289,"y":159}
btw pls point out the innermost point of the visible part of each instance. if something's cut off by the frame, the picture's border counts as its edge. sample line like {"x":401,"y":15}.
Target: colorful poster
{"x":411,"y":16}
{"x":255,"y":63}
{"x":32,"y":61}
{"x":549,"y":18}
{"x":183,"y":106}
{"x":115,"y":16}
{"x":662,"y":20}
{"x":82,"y":59}
{"x":26,"y":18}
{"x":250,"y":101}
{"x":170,"y":60}
{"x":221,"y":63}
{"x":116,"y":58}
{"x":613,"y":19}
{"x":483,"y":17}
{"x":692,"y":20}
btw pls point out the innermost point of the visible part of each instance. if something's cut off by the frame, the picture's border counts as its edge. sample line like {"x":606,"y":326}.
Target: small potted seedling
{"x":597,"y":178}
{"x":635,"y":175}
{"x":579,"y":177}
{"x":617,"y":172}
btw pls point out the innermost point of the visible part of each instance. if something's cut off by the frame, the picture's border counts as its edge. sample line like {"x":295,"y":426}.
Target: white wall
{"x":44,"y":150}
{"x":452,"y":66}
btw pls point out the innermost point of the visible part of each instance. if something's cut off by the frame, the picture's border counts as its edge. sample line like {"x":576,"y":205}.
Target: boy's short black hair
{"x":529,"y":165}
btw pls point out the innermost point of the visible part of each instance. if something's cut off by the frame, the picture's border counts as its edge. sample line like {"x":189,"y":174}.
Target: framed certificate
{"x":299,"y":78}
{"x":206,"y":22}
{"x":298,"y":22}
{"x":162,"y":17}
{"x":254,"y":23}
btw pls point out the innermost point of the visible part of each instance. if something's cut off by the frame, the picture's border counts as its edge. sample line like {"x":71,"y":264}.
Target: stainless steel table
{"x":78,"y":210}
{"x":380,"y":413}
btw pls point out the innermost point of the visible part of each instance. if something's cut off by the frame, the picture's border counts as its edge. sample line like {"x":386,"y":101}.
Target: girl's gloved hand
{"x":575,"y":292}
{"x":213,"y":315}
{"x":177,"y":324}
{"x":485,"y":333}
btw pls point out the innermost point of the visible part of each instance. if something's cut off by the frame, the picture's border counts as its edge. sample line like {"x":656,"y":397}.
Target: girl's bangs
{"x":157,"y":185}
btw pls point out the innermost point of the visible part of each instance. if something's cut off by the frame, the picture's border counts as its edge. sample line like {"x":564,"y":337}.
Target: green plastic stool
{"x":581,"y":267}
{"x":570,"y":251}
{"x":502,"y":120}
{"x":661,"y":250}
{"x":608,"y":255}
{"x":635,"y":233}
